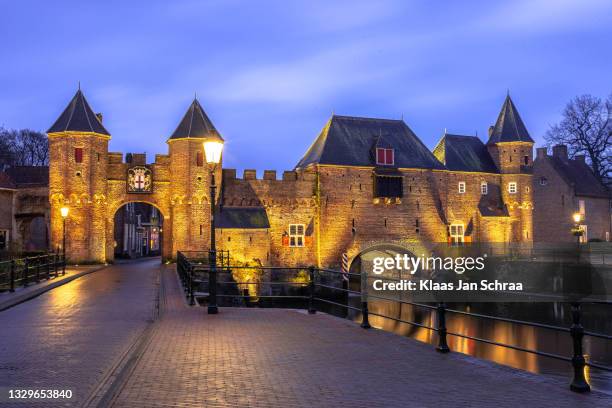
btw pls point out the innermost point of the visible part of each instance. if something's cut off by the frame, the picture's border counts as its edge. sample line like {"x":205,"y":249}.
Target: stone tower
{"x":78,"y":149}
{"x":511,"y":148}
{"x":190,"y":187}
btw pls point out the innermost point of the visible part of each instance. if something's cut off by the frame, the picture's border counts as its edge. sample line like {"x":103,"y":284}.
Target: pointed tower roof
{"x":78,"y":117}
{"x":195,"y":124}
{"x":509,"y":126}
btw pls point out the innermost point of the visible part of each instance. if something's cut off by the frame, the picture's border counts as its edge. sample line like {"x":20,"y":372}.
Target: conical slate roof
{"x":349,"y":141}
{"x":509,"y":126}
{"x":78,"y":117}
{"x":195,"y":124}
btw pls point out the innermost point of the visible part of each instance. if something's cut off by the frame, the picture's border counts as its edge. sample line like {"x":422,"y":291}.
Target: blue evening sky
{"x":270,"y":73}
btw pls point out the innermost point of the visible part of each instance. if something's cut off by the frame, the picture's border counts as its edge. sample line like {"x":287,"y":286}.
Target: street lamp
{"x":577,"y":230}
{"x":64,"y":211}
{"x":212,"y":149}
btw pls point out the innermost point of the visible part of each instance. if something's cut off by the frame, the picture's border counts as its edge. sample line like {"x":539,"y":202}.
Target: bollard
{"x":442,"y":345}
{"x":365,"y":322}
{"x":25,"y":273}
{"x":579,"y":383}
{"x":311,"y":289}
{"x":12,"y":289}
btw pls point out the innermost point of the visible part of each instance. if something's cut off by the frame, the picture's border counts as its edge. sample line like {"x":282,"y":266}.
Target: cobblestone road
{"x":281,"y":358}
{"x":72,"y":335}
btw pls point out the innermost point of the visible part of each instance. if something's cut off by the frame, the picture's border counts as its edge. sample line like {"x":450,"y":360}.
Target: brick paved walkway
{"x":283,"y":358}
{"x":71,"y":336}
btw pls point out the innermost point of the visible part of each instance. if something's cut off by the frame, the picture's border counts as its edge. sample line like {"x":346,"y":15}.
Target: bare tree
{"x":23,"y":147}
{"x":586,"y":128}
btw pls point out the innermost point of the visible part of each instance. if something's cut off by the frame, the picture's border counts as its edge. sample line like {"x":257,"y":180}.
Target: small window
{"x":199,"y":159}
{"x":385,"y":186}
{"x":484,"y":188}
{"x":461,"y":187}
{"x":4,"y":240}
{"x":78,"y":154}
{"x":512,"y":187}
{"x":543,"y":181}
{"x":98,"y":156}
{"x":385,"y":157}
{"x":296,"y":235}
{"x":457,"y":234}
{"x":581,"y":208}
{"x":526,"y":160}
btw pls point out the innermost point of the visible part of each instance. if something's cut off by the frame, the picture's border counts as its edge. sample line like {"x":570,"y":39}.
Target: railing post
{"x":48,"y":264}
{"x":64,"y":264}
{"x":311,"y":290}
{"x":25,"y":272}
{"x":190,"y":290}
{"x":442,"y":345}
{"x":579,"y":383}
{"x":37,"y":269}
{"x":12,"y":277}
{"x":55,"y":262}
{"x":365,"y":321}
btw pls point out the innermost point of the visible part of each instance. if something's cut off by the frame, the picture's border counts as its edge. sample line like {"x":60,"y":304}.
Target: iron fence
{"x":25,"y":271}
{"x":313,"y":288}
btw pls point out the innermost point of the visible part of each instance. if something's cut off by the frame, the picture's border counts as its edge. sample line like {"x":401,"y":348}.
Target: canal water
{"x":595,"y":318}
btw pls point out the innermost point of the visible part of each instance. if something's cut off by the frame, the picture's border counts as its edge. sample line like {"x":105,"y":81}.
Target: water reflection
{"x":595,"y":318}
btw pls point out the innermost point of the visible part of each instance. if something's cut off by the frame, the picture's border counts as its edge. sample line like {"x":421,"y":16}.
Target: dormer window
{"x":385,"y":157}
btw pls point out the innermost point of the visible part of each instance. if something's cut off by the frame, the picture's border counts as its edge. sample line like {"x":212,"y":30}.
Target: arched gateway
{"x":94,"y":183}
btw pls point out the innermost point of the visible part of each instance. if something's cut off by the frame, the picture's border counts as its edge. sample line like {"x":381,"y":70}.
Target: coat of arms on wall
{"x":139,"y":180}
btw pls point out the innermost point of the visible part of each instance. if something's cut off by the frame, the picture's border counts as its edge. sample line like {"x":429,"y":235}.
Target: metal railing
{"x":25,"y":271}
{"x":311,"y":284}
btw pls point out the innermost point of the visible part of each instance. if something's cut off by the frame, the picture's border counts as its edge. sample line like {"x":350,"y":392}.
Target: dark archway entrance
{"x":138,"y":231}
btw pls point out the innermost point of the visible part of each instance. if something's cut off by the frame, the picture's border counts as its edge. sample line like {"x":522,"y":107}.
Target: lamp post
{"x":64,"y":211}
{"x":212,"y":149}
{"x":579,"y":382}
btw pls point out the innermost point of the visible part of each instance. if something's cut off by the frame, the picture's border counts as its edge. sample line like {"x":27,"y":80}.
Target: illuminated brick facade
{"x":326,"y":206}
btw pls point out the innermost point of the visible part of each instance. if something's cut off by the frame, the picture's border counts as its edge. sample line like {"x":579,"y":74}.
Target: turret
{"x":191,"y":179}
{"x":78,"y":149}
{"x":509,"y":143}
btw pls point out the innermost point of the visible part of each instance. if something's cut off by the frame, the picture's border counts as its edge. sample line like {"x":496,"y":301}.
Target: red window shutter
{"x":78,"y":154}
{"x":285,"y":240}
{"x":199,"y":159}
{"x":380,"y":156}
{"x":389,"y":156}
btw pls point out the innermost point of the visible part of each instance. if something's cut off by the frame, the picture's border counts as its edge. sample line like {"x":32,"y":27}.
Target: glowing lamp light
{"x":577,"y":217}
{"x":213,"y":149}
{"x":64,"y":212}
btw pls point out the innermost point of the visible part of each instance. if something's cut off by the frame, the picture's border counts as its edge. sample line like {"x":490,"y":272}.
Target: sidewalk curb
{"x":20,"y":298}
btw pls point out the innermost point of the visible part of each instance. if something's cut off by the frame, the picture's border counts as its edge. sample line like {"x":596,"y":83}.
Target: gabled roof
{"x":464,"y":153}
{"x":579,"y":174}
{"x":242,"y":218}
{"x":509,"y":126}
{"x":24,"y":176}
{"x":78,"y":117}
{"x":349,"y":141}
{"x":195,"y":124}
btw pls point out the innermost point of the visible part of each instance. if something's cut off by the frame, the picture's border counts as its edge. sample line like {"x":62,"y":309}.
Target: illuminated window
{"x":581,"y":208}
{"x":512,"y":187}
{"x":296,"y":235}
{"x":385,"y":157}
{"x":457,"y":234}
{"x":461,"y":187}
{"x":484,"y":188}
{"x":78,"y":154}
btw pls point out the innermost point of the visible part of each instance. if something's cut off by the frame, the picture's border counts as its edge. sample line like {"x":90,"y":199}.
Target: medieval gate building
{"x":363,"y":181}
